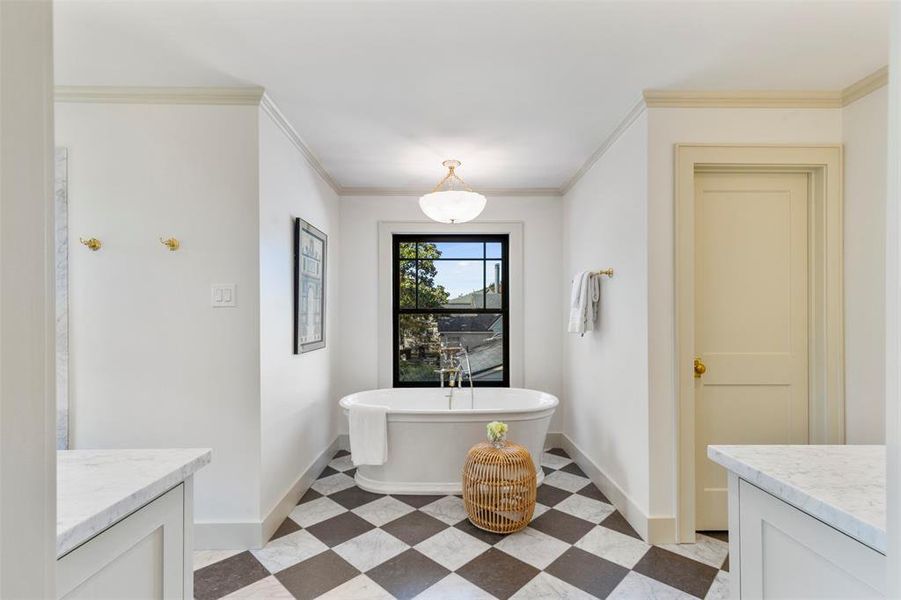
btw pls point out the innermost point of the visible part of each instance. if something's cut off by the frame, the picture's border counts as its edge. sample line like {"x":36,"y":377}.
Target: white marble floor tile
{"x":548,"y":587}
{"x":384,"y":510}
{"x":358,"y":588}
{"x":454,"y":587}
{"x":553,"y":461}
{"x":316,"y":511}
{"x":452,"y":548}
{"x":264,"y":589}
{"x":707,"y":550}
{"x":333,"y":483}
{"x":566,"y":481}
{"x":585,"y":508}
{"x":635,"y":585}
{"x":613,"y":546}
{"x":370,"y":549}
{"x":719,"y":590}
{"x":289,"y":550}
{"x":203,"y":558}
{"x":540,"y":509}
{"x":449,"y":509}
{"x":533,"y":547}
{"x":342,"y":463}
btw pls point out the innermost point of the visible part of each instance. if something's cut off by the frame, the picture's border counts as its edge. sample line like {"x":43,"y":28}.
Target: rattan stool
{"x":499,"y":487}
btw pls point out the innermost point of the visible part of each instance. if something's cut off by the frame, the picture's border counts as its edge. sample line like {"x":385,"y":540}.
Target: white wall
{"x":358,"y":273}
{"x":152,"y":363}
{"x":669,"y":126}
{"x":298,"y":419}
{"x":27,"y":405}
{"x":864,"y":127}
{"x":606,"y":371}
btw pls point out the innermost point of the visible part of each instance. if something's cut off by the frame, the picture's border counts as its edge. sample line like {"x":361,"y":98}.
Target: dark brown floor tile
{"x":587,"y":572}
{"x":416,"y":501}
{"x":547,"y":470}
{"x":226,"y":576}
{"x":617,"y":522}
{"x":351,"y":472}
{"x":722,"y":536}
{"x":287,"y":526}
{"x":676,"y":571}
{"x":354,"y":497}
{"x":497,"y":573}
{"x":562,"y":526}
{"x":558,"y":452}
{"x":414,"y":527}
{"x":486,"y":536}
{"x":326,"y":472}
{"x":309,"y":496}
{"x":341,"y":453}
{"x":338,"y":530}
{"x":407,"y":574}
{"x":591,"y":491}
{"x":725,"y":566}
{"x":315,"y":576}
{"x":574,"y":469}
{"x":550,"y":495}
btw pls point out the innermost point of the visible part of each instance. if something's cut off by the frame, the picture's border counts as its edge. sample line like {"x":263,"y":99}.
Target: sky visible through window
{"x":462,"y":277}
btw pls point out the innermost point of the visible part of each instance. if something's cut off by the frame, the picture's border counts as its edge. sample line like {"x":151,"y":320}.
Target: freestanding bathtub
{"x":428,"y":442}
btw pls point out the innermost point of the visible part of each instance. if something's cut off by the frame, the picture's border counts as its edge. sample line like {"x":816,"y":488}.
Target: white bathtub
{"x":427,"y":441}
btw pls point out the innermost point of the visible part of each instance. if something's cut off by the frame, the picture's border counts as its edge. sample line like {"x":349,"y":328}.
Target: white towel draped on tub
{"x":584,"y":303}
{"x":368,"y":434}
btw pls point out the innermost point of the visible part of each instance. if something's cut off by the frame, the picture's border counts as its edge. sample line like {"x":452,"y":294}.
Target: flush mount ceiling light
{"x":452,"y":201}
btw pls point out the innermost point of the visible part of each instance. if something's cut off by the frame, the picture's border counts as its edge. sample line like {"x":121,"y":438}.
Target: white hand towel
{"x":584,"y":303}
{"x":368,"y":434}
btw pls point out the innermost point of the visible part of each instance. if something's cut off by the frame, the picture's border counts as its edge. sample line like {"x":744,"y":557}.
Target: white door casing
{"x":822,"y":164}
{"x":750,"y":320}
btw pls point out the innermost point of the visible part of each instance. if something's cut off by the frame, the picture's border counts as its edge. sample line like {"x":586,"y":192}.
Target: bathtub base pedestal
{"x":414,"y":488}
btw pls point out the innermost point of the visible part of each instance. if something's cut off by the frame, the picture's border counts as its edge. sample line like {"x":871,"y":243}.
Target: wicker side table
{"x":499,"y":487}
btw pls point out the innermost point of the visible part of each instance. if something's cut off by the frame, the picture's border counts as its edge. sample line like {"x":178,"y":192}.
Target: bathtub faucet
{"x":455,"y":357}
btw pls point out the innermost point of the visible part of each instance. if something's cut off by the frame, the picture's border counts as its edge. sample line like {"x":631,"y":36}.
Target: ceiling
{"x":521,"y":92}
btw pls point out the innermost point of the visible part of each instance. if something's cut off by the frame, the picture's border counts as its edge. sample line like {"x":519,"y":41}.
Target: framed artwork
{"x":310,"y":253}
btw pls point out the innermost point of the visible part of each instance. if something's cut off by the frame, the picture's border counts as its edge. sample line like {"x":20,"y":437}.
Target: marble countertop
{"x":843,"y":486}
{"x":96,"y":488}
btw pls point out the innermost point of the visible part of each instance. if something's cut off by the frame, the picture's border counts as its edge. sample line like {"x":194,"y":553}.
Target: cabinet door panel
{"x":141,"y":556}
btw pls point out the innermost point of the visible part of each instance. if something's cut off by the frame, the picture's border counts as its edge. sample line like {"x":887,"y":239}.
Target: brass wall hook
{"x":172,"y":243}
{"x":93,"y":244}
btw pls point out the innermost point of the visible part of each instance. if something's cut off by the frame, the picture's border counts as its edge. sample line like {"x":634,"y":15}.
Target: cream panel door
{"x":750,"y":321}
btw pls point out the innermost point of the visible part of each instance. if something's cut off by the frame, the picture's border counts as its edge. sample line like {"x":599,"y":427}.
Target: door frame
{"x":826,"y":390}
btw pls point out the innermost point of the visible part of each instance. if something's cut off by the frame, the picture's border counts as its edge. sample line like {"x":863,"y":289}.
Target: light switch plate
{"x":223,"y":295}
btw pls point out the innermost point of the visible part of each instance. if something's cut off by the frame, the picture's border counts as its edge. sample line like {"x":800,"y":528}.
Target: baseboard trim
{"x":252,"y":534}
{"x":654,"y":530}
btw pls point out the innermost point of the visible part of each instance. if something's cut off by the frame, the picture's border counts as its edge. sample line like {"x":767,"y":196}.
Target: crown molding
{"x":742,"y":99}
{"x":866,"y":86}
{"x":611,"y":139}
{"x":377,"y":191}
{"x":268,"y":106}
{"x":249,"y":96}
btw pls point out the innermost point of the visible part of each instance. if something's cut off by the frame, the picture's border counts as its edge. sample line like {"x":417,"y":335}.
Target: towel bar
{"x":608,"y":272}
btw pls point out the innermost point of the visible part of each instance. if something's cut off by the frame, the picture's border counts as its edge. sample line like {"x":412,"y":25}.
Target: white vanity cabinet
{"x":805,"y":521}
{"x":126,"y":532}
{"x":782,"y":552}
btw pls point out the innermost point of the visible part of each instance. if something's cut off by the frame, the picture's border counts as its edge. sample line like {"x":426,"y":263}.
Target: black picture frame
{"x":310,"y":279}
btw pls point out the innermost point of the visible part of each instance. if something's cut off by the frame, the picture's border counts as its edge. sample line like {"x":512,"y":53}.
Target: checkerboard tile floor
{"x":344,"y":543}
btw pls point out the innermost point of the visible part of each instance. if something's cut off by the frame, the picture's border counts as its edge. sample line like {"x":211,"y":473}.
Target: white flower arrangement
{"x":497,"y":431}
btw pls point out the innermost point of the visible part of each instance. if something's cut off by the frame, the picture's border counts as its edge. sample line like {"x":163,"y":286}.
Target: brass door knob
{"x":700,"y":368}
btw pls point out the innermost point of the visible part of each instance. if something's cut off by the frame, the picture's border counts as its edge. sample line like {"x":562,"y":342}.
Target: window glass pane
{"x":417,"y":355}
{"x":455,"y":284}
{"x":407,"y":273}
{"x":493,"y":250}
{"x":483,"y":337}
{"x":494,"y":289}
{"x":407,"y":250}
{"x":459,"y":249}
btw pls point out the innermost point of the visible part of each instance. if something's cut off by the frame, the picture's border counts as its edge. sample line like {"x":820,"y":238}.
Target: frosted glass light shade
{"x":452,"y":206}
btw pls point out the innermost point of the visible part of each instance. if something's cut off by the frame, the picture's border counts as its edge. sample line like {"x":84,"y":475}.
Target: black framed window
{"x":450,"y":288}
